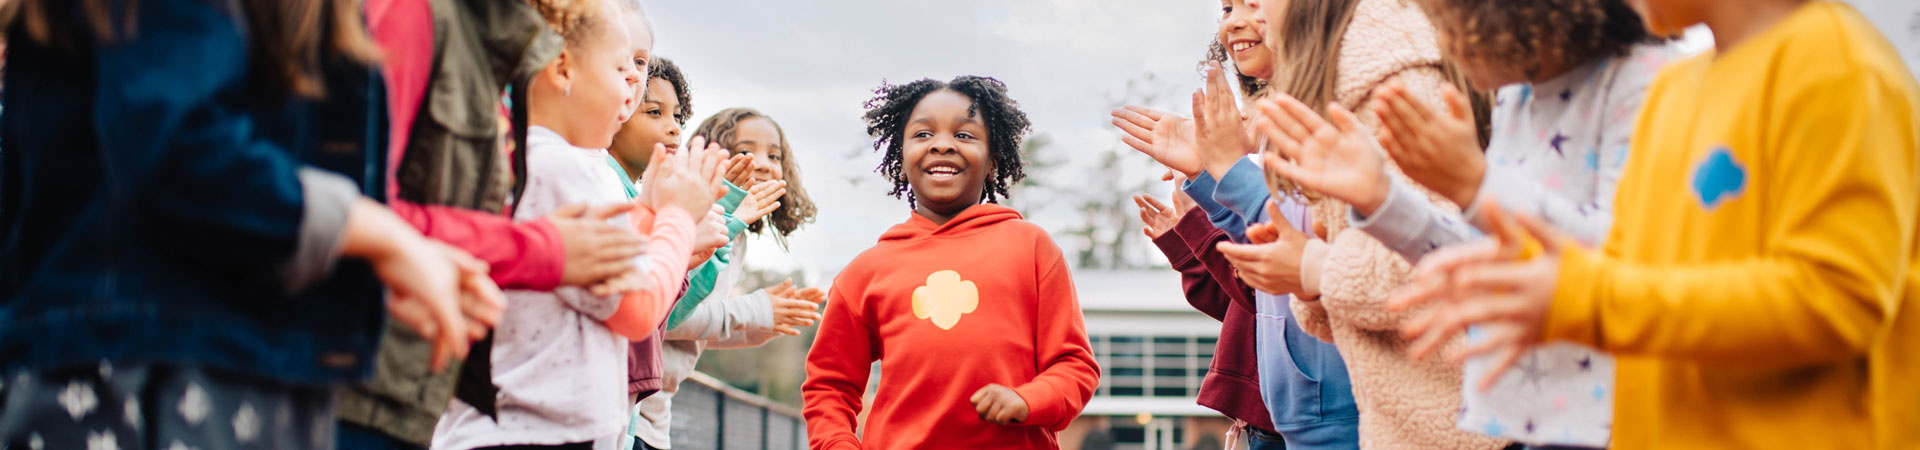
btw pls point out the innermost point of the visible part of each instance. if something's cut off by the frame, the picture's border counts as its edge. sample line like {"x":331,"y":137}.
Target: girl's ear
{"x":561,"y":71}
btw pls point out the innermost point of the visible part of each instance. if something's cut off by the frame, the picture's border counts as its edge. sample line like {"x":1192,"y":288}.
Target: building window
{"x":1152,"y":366}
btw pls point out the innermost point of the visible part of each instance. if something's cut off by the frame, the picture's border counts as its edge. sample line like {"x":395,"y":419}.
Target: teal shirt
{"x":700,"y":280}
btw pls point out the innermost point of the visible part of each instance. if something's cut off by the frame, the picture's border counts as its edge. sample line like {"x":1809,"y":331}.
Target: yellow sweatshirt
{"x":1759,"y":284}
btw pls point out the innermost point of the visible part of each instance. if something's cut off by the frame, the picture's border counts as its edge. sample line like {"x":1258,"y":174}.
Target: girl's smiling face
{"x":758,"y":136}
{"x":1241,"y":32}
{"x":945,"y":154}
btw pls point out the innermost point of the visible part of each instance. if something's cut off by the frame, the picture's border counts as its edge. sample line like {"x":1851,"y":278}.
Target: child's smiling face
{"x":945,"y":154}
{"x":758,"y":136}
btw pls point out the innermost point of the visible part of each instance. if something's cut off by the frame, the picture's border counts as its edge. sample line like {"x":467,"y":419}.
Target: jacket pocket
{"x":1292,"y":394}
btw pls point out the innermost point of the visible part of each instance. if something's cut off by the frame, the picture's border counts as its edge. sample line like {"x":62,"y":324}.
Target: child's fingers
{"x":1420,"y":111}
{"x":1149,"y":114}
{"x":1390,"y":139}
{"x":1457,"y":107}
{"x":1309,"y":122}
{"x":1134,"y":124}
{"x":1342,"y":119}
{"x":1546,"y":235}
{"x":1278,"y":114}
{"x":1200,"y":108}
{"x":1280,"y":142}
{"x":1002,"y":413}
{"x":1412,"y":115}
{"x":1419,"y":292}
{"x":1139,"y":145}
{"x":1289,"y":170}
{"x":1436,"y":328}
{"x":1220,"y":94}
{"x":1155,"y":203}
{"x":1490,"y":277}
{"x":1509,"y":353}
{"x":1513,"y":237}
{"x":486,"y":301}
{"x":1441,"y":264}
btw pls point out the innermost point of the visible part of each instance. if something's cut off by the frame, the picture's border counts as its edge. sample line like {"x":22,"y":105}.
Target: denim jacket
{"x":154,"y":206}
{"x":1303,"y":380}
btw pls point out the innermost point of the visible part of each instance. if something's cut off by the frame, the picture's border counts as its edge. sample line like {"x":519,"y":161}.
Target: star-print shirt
{"x":1557,"y":151}
{"x":949,"y":309}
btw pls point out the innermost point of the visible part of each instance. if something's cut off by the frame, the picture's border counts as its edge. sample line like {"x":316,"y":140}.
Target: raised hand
{"x":687,"y":179}
{"x":999,"y":404}
{"x":740,"y":169}
{"x":1439,"y":151}
{"x":1272,"y":263}
{"x":762,"y":199}
{"x":595,"y":249}
{"x":1502,"y":287}
{"x":1165,"y":137}
{"x":1222,"y":133}
{"x":794,"y":308}
{"x":1159,"y":218}
{"x":711,"y":232}
{"x":1338,"y":159}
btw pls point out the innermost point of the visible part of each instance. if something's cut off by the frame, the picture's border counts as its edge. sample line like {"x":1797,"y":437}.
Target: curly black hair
{"x":1250,"y":87}
{"x":1532,"y":33}
{"x":665,"y":69}
{"x":887,"y":116}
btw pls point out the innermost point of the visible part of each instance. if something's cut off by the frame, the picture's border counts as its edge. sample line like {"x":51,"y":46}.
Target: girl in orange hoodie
{"x":970,"y":309}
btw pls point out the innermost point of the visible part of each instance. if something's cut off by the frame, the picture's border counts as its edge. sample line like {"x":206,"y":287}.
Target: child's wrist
{"x":374,"y":233}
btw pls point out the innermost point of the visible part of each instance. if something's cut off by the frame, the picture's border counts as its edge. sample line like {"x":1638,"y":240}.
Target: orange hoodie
{"x":947,"y":310}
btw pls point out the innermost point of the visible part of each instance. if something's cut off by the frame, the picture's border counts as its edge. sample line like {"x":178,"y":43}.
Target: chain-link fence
{"x":710,"y":415}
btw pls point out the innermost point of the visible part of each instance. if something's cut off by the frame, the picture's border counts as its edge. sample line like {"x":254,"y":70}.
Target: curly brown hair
{"x":1533,"y":34}
{"x":795,"y":208}
{"x":664,"y":69}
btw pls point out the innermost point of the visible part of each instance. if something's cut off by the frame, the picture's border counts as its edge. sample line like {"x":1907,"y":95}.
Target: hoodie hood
{"x":975,"y":217}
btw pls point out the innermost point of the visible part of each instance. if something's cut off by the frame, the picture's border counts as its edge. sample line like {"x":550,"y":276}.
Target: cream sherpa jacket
{"x":1404,"y":404}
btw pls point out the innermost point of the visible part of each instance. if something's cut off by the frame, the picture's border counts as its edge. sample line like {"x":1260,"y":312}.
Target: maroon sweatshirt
{"x":1232,"y":386}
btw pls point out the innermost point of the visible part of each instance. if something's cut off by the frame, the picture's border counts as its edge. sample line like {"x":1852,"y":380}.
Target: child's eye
{"x":776,"y":157}
{"x":654,"y":112}
{"x":922,"y":135}
{"x":1226,"y":10}
{"x":963,"y":135}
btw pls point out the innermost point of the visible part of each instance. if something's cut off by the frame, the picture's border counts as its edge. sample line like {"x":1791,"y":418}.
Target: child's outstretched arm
{"x":661,"y":269}
{"x":1068,"y":373}
{"x":1844,"y":194}
{"x":837,"y":369}
{"x":677,"y":187}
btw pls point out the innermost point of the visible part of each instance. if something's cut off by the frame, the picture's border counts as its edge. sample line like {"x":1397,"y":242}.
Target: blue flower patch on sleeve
{"x":1718,"y":178}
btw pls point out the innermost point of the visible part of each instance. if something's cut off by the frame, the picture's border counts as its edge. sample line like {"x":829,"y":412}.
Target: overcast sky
{"x":811,"y":64}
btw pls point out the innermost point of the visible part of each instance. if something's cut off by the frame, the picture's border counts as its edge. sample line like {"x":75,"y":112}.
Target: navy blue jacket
{"x":151,"y":203}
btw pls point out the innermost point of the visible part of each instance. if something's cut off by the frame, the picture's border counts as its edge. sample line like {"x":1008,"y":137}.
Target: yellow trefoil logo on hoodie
{"x":945,"y":298}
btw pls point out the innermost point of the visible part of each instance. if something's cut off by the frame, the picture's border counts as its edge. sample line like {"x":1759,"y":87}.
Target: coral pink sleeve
{"x":664,"y":264}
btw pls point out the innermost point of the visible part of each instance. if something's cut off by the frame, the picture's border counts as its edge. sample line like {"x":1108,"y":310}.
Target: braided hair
{"x":889,"y":110}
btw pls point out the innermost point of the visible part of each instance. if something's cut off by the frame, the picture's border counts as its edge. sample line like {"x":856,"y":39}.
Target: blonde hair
{"x":573,"y":19}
